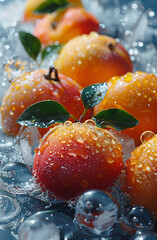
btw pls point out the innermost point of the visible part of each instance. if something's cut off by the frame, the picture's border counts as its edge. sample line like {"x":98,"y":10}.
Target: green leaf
{"x":50,"y":6}
{"x":93,"y":94}
{"x":50,"y":49}
{"x":31,"y":44}
{"x":116,"y":118}
{"x":43,"y":114}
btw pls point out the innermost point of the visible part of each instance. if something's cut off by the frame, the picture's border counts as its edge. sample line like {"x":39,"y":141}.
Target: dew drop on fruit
{"x":96,"y":212}
{"x":145,"y":136}
{"x":90,"y":124}
{"x":78,"y":152}
{"x":68,"y":124}
{"x":79,"y":139}
{"x":136,"y":217}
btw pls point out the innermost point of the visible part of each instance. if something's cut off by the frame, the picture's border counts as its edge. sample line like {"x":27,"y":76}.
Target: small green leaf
{"x":50,"y":6}
{"x":50,"y":49}
{"x":116,"y":118}
{"x":93,"y":94}
{"x":31,"y":44}
{"x":43,"y":114}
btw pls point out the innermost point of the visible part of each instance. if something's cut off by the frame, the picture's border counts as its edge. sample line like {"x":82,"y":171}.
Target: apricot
{"x":32,"y":5}
{"x":61,"y":26}
{"x":141,"y":175}
{"x":92,"y":59}
{"x":35,"y":86}
{"x":75,"y":157}
{"x":135,"y":93}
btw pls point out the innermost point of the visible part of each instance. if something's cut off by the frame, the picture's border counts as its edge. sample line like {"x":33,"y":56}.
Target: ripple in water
{"x":9,"y":212}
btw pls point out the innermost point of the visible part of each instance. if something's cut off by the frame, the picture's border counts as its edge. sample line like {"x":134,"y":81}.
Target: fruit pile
{"x":90,"y":90}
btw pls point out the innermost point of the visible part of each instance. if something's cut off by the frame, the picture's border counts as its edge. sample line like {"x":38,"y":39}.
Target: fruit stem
{"x":83,"y":115}
{"x":54,"y":25}
{"x":111,"y":46}
{"x":49,"y":75}
{"x":74,"y":117}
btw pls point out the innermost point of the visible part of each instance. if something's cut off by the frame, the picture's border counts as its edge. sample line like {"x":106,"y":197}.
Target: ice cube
{"x":128,"y":143}
{"x":29,"y":141}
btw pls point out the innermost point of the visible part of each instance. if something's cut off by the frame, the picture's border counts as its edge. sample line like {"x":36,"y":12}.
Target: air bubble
{"x":36,"y":229}
{"x":16,"y":177}
{"x":96,"y":212}
{"x":46,"y":225}
{"x":136,"y":217}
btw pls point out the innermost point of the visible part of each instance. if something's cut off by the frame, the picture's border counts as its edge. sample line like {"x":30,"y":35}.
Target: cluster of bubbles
{"x":24,"y":209}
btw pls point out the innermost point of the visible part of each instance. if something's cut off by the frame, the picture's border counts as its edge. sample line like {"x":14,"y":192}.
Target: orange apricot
{"x":135,"y":93}
{"x":92,"y":59}
{"x":75,"y":157}
{"x":141,"y":175}
{"x":61,"y":26}
{"x":32,"y":5}
{"x":36,"y":86}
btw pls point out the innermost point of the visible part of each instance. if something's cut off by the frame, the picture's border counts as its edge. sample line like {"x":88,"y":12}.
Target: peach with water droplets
{"x":35,"y":86}
{"x":135,"y":93}
{"x":93,"y":58}
{"x":75,"y":157}
{"x":61,"y":26}
{"x":141,"y":174}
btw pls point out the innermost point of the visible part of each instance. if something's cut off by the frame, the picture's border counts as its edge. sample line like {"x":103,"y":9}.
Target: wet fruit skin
{"x":32,"y":87}
{"x":63,"y":26}
{"x":73,"y":158}
{"x":31,"y":5}
{"x":141,"y":175}
{"x":135,"y":93}
{"x":93,"y":58}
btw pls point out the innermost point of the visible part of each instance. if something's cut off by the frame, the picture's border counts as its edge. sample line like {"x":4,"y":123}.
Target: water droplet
{"x":79,"y":139}
{"x":90,"y":124}
{"x":145,"y":136}
{"x":68,"y":124}
{"x":110,"y":160}
{"x":78,"y":152}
